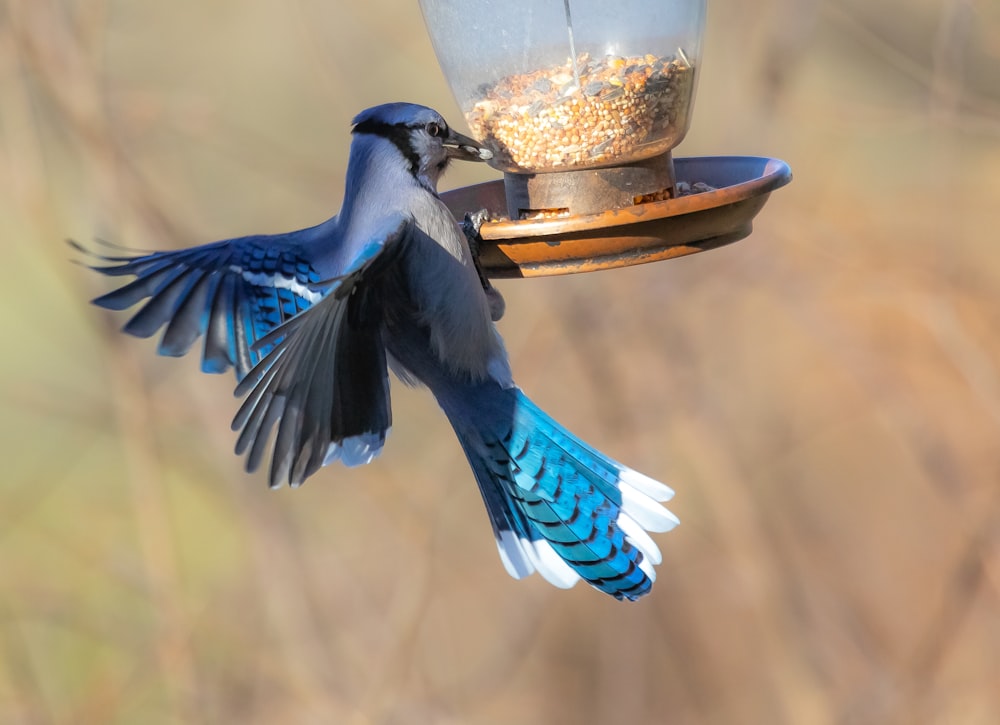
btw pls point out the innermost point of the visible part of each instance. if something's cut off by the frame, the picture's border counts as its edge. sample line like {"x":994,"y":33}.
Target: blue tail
{"x":557,"y":505}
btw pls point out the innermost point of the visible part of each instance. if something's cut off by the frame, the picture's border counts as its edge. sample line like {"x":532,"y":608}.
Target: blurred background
{"x":824,"y":395}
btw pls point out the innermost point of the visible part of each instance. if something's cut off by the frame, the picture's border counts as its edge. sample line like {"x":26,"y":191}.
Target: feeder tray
{"x":638,"y":234}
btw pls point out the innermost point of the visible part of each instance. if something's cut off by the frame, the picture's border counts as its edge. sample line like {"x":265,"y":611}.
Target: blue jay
{"x":313,"y":320}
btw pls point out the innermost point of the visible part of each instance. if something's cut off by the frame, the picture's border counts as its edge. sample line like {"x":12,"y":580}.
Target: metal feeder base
{"x":737,"y":188}
{"x":588,"y":191}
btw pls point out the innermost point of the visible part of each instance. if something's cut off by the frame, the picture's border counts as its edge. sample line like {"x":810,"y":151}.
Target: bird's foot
{"x":471,"y":225}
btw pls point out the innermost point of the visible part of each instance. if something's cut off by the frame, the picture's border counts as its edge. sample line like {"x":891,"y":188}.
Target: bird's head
{"x":421,"y":136}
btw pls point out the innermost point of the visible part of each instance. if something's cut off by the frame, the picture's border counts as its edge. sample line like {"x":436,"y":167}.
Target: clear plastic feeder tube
{"x":560,"y":85}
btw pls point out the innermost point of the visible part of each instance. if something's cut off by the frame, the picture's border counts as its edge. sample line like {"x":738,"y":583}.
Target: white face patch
{"x":262,"y":279}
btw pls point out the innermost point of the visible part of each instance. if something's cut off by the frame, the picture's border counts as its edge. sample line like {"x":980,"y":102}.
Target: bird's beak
{"x":465,"y":148}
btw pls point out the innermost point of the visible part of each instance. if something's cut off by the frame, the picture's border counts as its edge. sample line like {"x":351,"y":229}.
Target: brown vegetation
{"x":824,"y":396}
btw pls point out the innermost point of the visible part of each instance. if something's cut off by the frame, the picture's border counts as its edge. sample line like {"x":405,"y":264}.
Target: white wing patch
{"x":356,"y":450}
{"x":262,"y":279}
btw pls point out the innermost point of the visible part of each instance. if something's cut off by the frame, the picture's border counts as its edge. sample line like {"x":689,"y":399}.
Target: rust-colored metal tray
{"x":645,"y":233}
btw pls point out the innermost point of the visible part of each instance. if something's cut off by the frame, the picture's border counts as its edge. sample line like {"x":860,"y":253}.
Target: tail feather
{"x":522,"y":551}
{"x":560,"y":507}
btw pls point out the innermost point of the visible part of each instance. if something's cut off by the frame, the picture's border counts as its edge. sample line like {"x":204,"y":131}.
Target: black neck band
{"x":398,"y":134}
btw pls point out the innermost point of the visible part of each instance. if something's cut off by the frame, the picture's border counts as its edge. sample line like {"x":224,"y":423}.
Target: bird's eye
{"x":434,"y":129}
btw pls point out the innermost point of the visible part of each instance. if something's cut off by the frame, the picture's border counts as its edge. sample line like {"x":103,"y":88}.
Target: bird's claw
{"x":471,"y":225}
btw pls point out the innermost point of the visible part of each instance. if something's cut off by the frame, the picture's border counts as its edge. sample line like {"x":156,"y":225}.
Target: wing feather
{"x":324,"y":380}
{"x":191,"y":318}
{"x":231,"y":292}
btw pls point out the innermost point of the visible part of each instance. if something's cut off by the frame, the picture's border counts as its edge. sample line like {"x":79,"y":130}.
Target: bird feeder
{"x":581,"y":103}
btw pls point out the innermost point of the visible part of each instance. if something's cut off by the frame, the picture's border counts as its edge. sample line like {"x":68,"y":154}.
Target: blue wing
{"x":232,"y":292}
{"x":324,"y":381}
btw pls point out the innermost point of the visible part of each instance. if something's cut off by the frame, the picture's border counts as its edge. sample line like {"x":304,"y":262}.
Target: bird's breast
{"x":448,"y":296}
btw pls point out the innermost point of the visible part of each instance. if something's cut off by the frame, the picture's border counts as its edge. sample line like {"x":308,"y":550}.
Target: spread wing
{"x":232,"y":293}
{"x":324,"y":382}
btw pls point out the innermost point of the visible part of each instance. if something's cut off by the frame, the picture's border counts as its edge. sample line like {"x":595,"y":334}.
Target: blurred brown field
{"x":824,"y":396}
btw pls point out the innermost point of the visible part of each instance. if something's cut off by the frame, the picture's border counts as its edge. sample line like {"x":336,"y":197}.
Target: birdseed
{"x":623,"y":106}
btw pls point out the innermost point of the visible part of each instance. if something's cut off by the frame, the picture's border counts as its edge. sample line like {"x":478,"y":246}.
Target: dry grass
{"x":825,"y":396}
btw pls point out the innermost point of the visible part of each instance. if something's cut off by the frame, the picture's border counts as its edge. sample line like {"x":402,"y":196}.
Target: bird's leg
{"x":470,"y":226}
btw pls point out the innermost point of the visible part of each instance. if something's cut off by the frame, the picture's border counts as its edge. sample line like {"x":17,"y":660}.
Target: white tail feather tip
{"x":645,"y":511}
{"x":512,"y":555}
{"x":549,"y":564}
{"x":639,"y":538}
{"x":647,"y":567}
{"x":649,"y":486}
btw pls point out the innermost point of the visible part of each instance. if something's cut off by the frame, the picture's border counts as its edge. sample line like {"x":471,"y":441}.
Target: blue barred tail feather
{"x":562,"y":508}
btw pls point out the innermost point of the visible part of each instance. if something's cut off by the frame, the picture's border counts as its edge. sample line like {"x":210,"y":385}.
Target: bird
{"x":313,"y":320}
